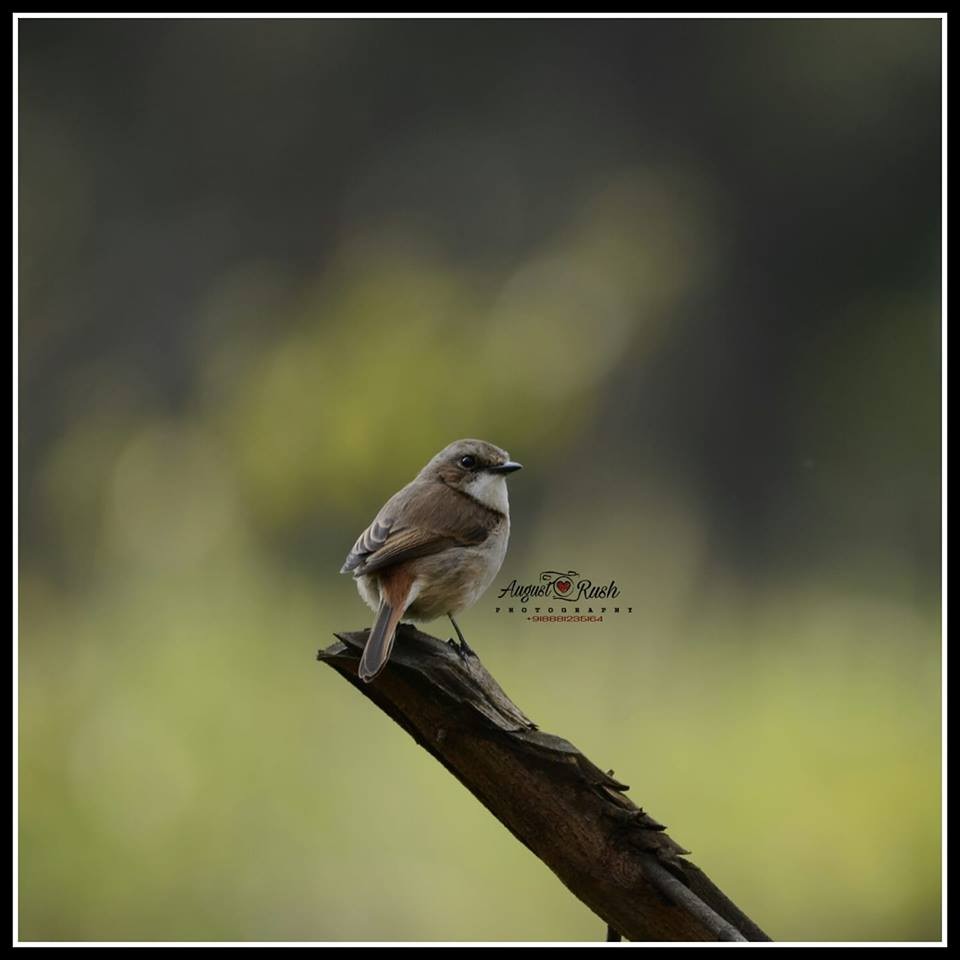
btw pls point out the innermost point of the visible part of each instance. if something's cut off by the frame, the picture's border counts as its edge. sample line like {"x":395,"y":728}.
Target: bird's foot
{"x":461,"y":647}
{"x":464,"y":650}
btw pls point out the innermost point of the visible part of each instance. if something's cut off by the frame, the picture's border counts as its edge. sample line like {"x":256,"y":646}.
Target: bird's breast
{"x":455,"y":579}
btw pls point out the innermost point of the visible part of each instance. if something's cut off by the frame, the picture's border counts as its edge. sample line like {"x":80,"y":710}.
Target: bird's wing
{"x":409,"y":525}
{"x":371,"y":540}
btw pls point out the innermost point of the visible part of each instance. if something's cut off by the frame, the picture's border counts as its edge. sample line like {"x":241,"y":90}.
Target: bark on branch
{"x":577,"y":819}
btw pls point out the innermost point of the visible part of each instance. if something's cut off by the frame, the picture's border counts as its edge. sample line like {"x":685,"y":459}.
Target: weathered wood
{"x":577,"y":819}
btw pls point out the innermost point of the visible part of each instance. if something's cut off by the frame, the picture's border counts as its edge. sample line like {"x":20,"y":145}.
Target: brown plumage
{"x":435,"y":545}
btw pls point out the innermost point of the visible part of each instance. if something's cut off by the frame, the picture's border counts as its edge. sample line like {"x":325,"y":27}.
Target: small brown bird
{"x":435,"y":545}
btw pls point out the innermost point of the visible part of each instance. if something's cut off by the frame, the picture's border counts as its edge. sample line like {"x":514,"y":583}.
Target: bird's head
{"x":474,"y":467}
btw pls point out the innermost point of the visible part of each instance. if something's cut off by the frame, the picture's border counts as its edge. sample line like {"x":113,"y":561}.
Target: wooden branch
{"x":577,"y":819}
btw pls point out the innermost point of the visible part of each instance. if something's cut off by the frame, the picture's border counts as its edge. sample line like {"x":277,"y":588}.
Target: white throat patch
{"x":491,"y":490}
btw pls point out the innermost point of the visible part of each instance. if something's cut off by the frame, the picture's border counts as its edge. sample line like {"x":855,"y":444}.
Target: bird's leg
{"x":463,"y":643}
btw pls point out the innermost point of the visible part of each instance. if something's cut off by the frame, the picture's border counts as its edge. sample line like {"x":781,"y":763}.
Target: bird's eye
{"x":468,"y":461}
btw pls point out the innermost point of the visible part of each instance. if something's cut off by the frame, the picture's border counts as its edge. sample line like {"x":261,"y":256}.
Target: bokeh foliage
{"x":687,"y":272}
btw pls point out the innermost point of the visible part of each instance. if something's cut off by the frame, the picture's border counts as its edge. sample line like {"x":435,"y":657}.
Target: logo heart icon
{"x":563,"y":585}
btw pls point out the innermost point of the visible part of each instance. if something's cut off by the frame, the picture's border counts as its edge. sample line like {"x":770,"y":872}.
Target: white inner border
{"x":942,"y":17}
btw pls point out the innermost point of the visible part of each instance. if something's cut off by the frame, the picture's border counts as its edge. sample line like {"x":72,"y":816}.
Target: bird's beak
{"x":507,"y":467}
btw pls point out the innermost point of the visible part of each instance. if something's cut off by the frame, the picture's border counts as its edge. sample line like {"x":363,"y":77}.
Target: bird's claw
{"x":461,"y":647}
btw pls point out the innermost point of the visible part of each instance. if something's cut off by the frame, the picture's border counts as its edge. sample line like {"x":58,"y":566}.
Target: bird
{"x":435,"y":546}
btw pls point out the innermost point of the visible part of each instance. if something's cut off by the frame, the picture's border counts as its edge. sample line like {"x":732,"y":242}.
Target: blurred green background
{"x":687,"y":272}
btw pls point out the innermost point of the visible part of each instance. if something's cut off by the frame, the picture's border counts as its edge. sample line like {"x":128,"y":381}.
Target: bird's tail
{"x":380,"y":642}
